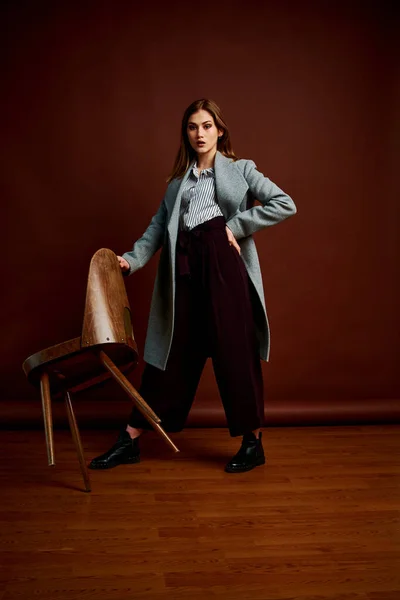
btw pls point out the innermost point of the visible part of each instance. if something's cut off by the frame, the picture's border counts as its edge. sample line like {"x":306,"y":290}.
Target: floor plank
{"x":320,"y":521}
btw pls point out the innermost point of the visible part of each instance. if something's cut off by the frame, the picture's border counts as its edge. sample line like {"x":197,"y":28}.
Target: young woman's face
{"x":202,"y":132}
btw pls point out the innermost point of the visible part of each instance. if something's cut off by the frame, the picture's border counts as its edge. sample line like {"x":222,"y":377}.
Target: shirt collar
{"x":209,"y":171}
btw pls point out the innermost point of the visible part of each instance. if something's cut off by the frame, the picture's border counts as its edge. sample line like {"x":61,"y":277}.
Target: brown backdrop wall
{"x":93,"y":99}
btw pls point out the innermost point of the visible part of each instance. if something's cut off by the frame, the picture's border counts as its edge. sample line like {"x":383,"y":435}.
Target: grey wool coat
{"x":238,"y":185}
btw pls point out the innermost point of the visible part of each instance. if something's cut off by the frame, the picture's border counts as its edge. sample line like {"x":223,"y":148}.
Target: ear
{"x":220,"y":132}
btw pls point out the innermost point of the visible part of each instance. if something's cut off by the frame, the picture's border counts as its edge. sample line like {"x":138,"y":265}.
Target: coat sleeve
{"x":275,"y":204}
{"x":146,"y":246}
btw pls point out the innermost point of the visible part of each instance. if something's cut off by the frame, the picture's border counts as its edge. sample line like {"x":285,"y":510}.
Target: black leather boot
{"x":125,"y":451}
{"x":250,"y":455}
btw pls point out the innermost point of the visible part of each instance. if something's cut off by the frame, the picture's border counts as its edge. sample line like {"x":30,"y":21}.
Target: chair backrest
{"x":107,"y":317}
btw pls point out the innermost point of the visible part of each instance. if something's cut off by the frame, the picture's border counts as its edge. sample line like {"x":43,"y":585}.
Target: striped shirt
{"x":199,"y":199}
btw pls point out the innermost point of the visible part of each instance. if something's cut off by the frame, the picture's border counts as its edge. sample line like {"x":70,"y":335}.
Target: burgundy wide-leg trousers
{"x":213,"y":318}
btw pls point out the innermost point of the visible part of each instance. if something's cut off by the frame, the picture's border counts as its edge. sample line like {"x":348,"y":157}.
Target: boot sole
{"x":111,"y":465}
{"x":260,"y":461}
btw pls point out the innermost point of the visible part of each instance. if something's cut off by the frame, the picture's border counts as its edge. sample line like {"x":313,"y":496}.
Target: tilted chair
{"x":105,"y":349}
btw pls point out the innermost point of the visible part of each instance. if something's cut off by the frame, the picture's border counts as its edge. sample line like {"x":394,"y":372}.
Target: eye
{"x":207,"y":126}
{"x":192,"y":127}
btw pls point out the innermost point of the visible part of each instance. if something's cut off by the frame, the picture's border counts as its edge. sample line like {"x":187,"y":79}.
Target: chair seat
{"x":71,"y":367}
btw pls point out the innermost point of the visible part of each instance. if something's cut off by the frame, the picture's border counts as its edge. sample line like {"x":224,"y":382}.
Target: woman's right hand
{"x":123,"y":264}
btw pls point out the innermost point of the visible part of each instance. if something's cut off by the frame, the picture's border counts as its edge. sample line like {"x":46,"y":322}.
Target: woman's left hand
{"x":231,"y":239}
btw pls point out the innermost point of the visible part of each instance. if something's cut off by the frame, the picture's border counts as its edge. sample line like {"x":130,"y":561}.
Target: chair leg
{"x":144,"y":408}
{"x":77,"y":441}
{"x":47,"y":417}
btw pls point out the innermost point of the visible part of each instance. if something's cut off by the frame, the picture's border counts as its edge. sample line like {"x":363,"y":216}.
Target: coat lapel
{"x":174,"y":220}
{"x":230,"y":185}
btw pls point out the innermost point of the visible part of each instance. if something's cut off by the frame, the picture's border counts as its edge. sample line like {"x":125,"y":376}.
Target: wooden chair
{"x":105,"y":349}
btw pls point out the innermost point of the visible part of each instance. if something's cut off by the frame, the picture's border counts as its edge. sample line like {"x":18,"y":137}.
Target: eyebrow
{"x":204,"y":122}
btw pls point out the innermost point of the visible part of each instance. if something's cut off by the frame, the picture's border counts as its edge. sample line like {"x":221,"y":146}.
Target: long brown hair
{"x":186,"y":153}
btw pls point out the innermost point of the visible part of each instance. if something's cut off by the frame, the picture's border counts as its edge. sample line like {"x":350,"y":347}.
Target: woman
{"x":208,"y":296}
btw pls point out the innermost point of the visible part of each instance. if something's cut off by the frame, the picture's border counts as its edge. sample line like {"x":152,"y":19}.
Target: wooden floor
{"x":320,"y":521}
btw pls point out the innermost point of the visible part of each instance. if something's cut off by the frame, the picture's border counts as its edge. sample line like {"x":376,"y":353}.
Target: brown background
{"x":92,"y":101}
